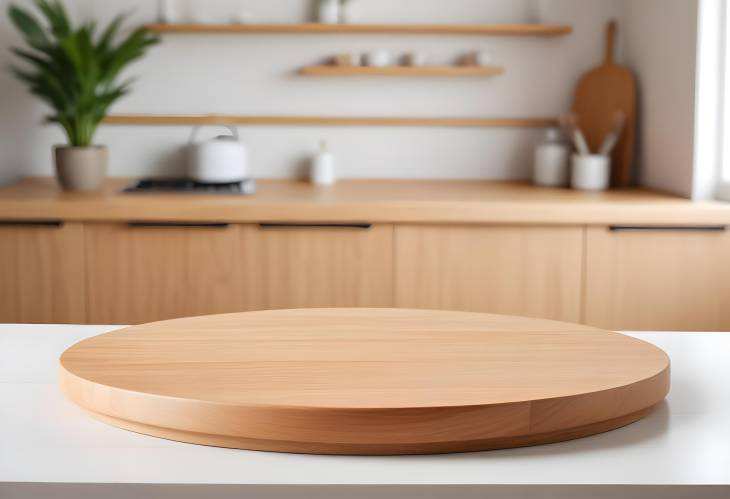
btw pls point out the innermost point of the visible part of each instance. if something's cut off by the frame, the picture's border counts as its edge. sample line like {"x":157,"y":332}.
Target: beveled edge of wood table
{"x":374,"y":431}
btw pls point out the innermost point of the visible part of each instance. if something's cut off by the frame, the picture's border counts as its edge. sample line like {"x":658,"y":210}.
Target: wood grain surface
{"x":658,"y":280}
{"x":400,"y":71}
{"x":365,"y":381}
{"x":42,"y":276}
{"x":310,"y":266}
{"x":327,"y":121}
{"x":321,"y":28}
{"x":142,"y":274}
{"x":533,"y":271}
{"x":387,"y":201}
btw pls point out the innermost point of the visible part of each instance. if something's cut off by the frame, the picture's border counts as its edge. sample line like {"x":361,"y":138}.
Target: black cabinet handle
{"x":190,"y":225}
{"x":668,"y":228}
{"x":271,"y":226}
{"x":32,"y":223}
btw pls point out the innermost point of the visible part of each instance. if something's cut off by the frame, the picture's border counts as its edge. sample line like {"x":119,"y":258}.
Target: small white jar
{"x":347,"y":12}
{"x":322,"y":170}
{"x":540,"y":11}
{"x":591,"y":172}
{"x":552,"y":158}
{"x":483,"y":58}
{"x":347,"y":60}
{"x":329,"y":11}
{"x":415,"y":59}
{"x":167,"y":11}
{"x":244,"y":16}
{"x":378,"y":58}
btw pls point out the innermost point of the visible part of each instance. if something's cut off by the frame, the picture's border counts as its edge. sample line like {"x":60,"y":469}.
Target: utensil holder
{"x":591,"y":172}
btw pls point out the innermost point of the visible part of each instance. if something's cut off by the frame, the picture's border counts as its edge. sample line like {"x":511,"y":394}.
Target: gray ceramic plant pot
{"x":81,"y":169}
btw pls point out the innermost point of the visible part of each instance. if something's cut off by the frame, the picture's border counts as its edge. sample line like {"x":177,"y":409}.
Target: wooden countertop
{"x":404,"y":201}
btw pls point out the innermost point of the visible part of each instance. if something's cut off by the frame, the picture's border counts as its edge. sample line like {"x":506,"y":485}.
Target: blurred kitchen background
{"x":256,"y":74}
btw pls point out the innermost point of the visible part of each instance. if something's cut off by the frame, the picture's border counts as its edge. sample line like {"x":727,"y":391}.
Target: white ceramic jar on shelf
{"x":479,"y":58}
{"x":378,"y":58}
{"x":415,"y":59}
{"x":540,"y":11}
{"x":167,"y":11}
{"x":347,"y":11}
{"x":328,"y":11}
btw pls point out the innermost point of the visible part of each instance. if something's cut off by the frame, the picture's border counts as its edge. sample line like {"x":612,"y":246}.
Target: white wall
{"x":661,"y":45}
{"x":256,"y":74}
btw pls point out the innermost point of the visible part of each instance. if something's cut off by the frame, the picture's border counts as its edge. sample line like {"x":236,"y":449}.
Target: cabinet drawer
{"x":331,"y":265}
{"x":42,"y":272}
{"x":142,"y":272}
{"x":531,"y":271}
{"x":658,"y":278}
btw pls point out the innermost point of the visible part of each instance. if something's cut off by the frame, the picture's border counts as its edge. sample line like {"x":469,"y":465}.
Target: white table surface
{"x":49,"y":446}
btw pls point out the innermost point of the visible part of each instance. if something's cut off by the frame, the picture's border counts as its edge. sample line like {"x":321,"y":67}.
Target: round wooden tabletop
{"x":365,"y":381}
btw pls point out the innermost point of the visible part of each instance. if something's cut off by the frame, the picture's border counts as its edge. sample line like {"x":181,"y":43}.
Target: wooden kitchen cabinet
{"x":302,"y":266}
{"x":147,"y":272}
{"x":657,"y":278}
{"x":42,"y":273}
{"x":518,"y":270}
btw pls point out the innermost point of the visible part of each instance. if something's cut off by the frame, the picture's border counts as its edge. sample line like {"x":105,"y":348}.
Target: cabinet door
{"x":656,"y":279}
{"x":530,"y":271}
{"x":42,"y":273}
{"x":296,"y":266}
{"x":147,"y":272}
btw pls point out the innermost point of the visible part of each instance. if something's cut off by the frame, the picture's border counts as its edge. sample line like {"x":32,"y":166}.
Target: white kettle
{"x":220,"y":160}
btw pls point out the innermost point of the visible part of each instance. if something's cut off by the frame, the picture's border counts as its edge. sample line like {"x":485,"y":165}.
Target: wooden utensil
{"x":600,"y":94}
{"x":572,"y":128}
{"x":612,"y":138}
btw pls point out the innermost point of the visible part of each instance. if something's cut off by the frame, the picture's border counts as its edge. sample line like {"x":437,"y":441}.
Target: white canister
{"x":347,"y":60}
{"x":540,"y":11}
{"x":347,"y":12}
{"x":328,"y":11}
{"x":415,"y":59}
{"x":591,"y":172}
{"x":167,"y":11}
{"x":244,"y":16}
{"x":552,"y":159}
{"x":378,"y":58}
{"x":322,"y":170}
{"x":481,"y":58}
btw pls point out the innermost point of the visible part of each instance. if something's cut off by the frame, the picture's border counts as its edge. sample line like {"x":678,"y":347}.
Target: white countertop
{"x":686,"y":442}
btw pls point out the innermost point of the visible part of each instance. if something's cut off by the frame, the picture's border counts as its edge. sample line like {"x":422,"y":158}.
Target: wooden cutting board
{"x":365,"y":381}
{"x":599,"y":95}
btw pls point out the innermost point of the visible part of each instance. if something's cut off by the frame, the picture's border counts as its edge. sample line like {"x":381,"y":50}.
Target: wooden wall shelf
{"x":316,"y":28}
{"x":436,"y":71}
{"x":393,"y":121}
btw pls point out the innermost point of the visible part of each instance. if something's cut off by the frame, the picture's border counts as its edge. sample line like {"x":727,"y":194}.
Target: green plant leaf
{"x":107,"y":37}
{"x":56,"y":15}
{"x":33,"y":59}
{"x":29,"y":27}
{"x":72,"y":69}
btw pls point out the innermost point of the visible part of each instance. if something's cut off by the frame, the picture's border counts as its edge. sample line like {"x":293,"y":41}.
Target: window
{"x":712,"y":110}
{"x":712,"y":130}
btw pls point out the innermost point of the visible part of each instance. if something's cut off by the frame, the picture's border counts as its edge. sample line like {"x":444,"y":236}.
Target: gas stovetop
{"x":245,"y":187}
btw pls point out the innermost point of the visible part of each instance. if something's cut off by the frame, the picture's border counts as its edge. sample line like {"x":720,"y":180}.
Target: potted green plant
{"x":77,"y":73}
